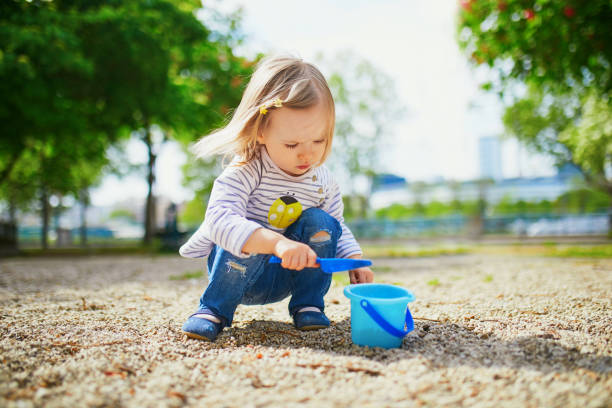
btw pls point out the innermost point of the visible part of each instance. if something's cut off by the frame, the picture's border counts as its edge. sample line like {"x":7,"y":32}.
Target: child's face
{"x":296,"y":138}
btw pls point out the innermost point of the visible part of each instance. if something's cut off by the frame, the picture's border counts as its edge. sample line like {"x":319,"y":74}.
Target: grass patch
{"x":402,"y":252}
{"x":341,"y":279}
{"x":488,"y":278}
{"x":188,"y":275}
{"x":110,"y":248}
{"x":548,"y":250}
{"x":75,"y":252}
{"x":596,"y":251}
{"x":382,"y":269}
{"x":433,"y":282}
{"x":391,"y":282}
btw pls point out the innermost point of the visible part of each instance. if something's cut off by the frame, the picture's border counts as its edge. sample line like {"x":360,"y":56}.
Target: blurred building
{"x":490,"y":157}
{"x":518,"y":188}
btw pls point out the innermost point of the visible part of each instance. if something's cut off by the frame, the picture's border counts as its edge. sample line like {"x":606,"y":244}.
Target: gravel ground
{"x":489,"y":332}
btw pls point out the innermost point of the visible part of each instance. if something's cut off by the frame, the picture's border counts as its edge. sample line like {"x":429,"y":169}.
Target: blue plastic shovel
{"x":330,"y":265}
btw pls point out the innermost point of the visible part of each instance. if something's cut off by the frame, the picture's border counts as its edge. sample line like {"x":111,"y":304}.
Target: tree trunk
{"x":479,"y":220}
{"x":610,"y":221}
{"x":13,"y":221}
{"x":84,"y":201}
{"x":150,"y":204}
{"x":44,"y":201}
{"x":6,"y":172}
{"x":12,"y":212}
{"x":8,"y":232}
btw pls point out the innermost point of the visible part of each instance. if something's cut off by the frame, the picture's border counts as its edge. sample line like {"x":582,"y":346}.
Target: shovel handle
{"x":276,"y":260}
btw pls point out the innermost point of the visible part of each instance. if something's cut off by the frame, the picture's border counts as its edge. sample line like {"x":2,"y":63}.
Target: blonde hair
{"x":297,"y":83}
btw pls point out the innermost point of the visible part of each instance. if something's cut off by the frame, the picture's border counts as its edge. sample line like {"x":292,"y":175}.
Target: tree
{"x":42,"y":69}
{"x":173,"y":76}
{"x":55,"y":129}
{"x":552,"y":62}
{"x":41,"y":64}
{"x":366,"y":107}
{"x":76,"y":76}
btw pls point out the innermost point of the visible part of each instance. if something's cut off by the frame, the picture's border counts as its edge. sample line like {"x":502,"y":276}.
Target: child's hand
{"x":295,"y":255}
{"x":361,"y":275}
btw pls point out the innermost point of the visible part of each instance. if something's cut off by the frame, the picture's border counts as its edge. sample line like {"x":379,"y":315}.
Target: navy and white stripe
{"x":241,"y":198}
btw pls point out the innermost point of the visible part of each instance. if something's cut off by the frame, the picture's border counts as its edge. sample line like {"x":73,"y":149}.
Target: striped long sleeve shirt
{"x":244,"y":198}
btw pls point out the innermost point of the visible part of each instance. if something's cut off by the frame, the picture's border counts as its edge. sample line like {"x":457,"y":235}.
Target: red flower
{"x":466,"y":4}
{"x":569,"y":12}
{"x":529,"y":14}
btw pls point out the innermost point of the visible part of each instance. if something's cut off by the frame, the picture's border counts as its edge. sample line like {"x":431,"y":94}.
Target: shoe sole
{"x":196,"y":336}
{"x":307,"y":328}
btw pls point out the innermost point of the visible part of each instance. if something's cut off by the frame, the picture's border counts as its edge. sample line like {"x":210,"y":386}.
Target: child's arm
{"x":294,"y":255}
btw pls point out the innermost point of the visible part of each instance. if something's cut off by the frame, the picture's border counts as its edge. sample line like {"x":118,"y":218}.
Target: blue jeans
{"x":253,"y":281}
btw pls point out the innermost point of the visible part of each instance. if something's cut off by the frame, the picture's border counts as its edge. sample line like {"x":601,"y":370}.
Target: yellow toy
{"x":284,"y":211}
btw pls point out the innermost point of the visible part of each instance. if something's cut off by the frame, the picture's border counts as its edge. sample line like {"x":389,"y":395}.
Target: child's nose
{"x":305,"y":154}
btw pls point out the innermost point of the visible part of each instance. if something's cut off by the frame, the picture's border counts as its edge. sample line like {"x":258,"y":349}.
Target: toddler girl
{"x":275,"y":198}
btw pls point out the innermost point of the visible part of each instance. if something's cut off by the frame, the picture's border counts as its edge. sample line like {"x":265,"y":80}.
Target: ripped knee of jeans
{"x":237,"y":267}
{"x":321,"y":236}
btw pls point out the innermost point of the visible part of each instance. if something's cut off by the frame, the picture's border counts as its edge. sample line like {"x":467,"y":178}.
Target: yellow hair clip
{"x":278,"y":103}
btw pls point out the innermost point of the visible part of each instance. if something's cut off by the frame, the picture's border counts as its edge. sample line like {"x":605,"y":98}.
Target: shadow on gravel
{"x":442,"y":344}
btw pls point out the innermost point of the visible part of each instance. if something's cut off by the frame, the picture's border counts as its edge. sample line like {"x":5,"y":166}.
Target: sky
{"x":411,"y":41}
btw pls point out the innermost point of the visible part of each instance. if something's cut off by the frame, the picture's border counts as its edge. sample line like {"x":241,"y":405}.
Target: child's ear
{"x":260,"y":138}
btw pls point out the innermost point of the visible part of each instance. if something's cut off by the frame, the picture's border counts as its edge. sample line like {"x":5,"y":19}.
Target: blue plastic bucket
{"x":379,"y":314}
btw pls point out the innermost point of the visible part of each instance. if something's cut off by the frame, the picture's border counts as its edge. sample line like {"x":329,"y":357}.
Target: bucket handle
{"x":385,"y":325}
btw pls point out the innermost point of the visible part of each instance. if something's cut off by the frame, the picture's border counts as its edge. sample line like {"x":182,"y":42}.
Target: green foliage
{"x":192,"y":214}
{"x":355,"y":206}
{"x":582,"y":200}
{"x":508,"y":206}
{"x":561,"y":54}
{"x":198,"y":176}
{"x":46,"y":115}
{"x":577,"y":201}
{"x":438,"y":209}
{"x":122,"y":214}
{"x":590,"y":139}
{"x":569,"y":127}
{"x":75,"y":77}
{"x":433,"y":209}
{"x":396,"y":211}
{"x":537,"y":119}
{"x":188,"y":275}
{"x":553,"y":43}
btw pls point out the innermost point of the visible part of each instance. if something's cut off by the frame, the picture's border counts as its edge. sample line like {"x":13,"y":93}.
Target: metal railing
{"x":524,"y":224}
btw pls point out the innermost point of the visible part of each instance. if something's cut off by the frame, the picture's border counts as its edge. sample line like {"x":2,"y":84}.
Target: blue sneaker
{"x":202,"y":329}
{"x":310,"y":320}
